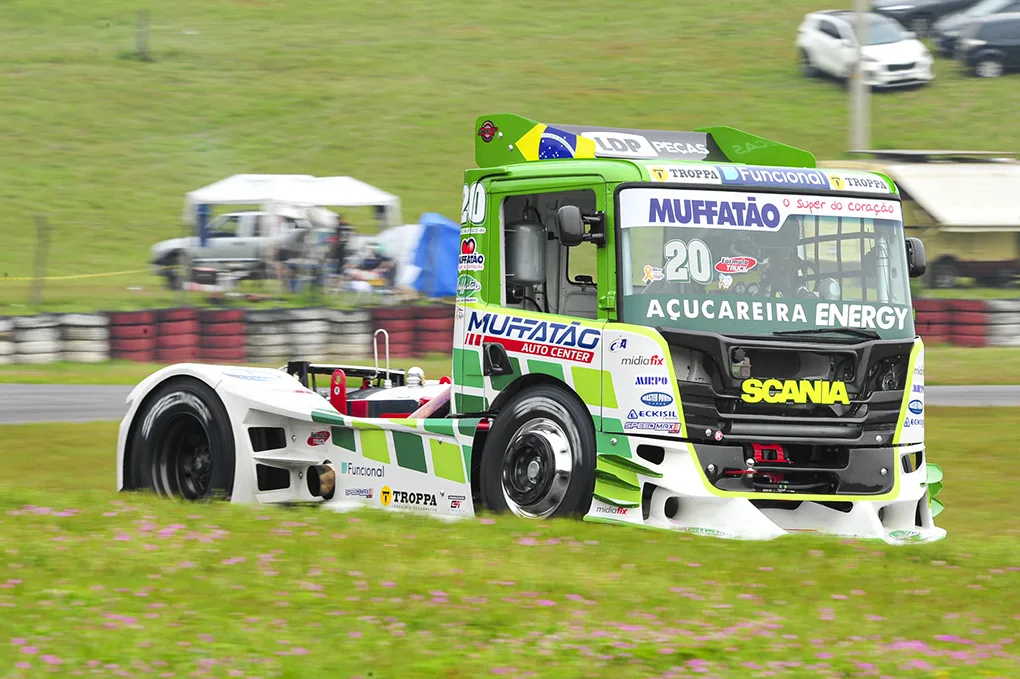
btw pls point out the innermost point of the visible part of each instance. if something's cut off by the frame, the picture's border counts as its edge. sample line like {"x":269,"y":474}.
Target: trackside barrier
{"x":273,"y":336}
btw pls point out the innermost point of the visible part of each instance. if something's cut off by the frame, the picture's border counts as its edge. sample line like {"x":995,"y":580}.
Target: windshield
{"x":759,"y":263}
{"x":881,"y":31}
{"x":986,"y":7}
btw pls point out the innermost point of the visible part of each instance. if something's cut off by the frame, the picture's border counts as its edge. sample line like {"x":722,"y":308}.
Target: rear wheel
{"x":539,"y":457}
{"x":989,"y":67}
{"x":806,"y":67}
{"x":183,"y":446}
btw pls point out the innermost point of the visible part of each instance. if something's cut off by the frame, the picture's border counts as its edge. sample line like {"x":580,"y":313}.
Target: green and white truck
{"x":697,"y":331}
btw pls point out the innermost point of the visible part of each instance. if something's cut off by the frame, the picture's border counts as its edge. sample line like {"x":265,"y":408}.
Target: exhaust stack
{"x":322,"y":481}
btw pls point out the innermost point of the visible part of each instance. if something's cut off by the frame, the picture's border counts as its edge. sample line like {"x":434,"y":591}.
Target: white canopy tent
{"x":296,"y":190}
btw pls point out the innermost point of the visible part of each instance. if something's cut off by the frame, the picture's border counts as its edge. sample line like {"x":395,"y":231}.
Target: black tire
{"x":174,"y":273}
{"x":807,"y":68}
{"x":989,"y":67}
{"x":944,"y":274}
{"x":183,"y":445}
{"x":520,"y":471}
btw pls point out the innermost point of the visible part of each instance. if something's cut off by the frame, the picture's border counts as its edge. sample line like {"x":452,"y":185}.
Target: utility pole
{"x":860,"y":93}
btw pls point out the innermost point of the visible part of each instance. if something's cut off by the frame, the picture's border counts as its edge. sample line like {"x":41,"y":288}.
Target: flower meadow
{"x":98,"y":584}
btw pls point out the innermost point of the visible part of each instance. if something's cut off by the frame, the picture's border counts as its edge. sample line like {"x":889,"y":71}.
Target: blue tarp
{"x":437,"y":256}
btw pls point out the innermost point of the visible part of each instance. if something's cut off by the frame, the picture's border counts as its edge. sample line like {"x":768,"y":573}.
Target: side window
{"x":540,"y":274}
{"x":829,"y":29}
{"x":225,"y":229}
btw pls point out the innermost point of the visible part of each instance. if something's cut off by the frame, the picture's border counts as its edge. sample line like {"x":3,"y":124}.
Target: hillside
{"x":106,"y":145}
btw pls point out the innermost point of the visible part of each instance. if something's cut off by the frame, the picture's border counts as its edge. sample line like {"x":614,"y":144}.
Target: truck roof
{"x":511,"y":144}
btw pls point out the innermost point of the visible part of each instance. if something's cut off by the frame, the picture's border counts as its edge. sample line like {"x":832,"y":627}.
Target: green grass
{"x":944,"y":365}
{"x":91,"y":580}
{"x":106,"y":146}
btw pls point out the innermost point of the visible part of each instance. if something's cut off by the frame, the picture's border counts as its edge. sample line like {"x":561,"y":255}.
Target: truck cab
{"x":732,"y":319}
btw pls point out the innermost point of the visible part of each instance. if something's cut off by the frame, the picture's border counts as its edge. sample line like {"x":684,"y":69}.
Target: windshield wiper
{"x":869,"y":334}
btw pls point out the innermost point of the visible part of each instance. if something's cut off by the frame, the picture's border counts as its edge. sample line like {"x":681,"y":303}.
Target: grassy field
{"x":105,"y":145}
{"x":943,"y":365}
{"x":121,"y":585}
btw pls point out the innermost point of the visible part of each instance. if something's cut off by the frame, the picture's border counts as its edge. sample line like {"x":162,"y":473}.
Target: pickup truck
{"x":238,"y":242}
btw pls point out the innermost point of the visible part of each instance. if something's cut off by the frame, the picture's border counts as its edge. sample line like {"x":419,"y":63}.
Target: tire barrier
{"x":274,"y":336}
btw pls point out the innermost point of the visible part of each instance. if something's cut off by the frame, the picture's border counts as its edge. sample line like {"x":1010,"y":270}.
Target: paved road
{"x":24,"y":403}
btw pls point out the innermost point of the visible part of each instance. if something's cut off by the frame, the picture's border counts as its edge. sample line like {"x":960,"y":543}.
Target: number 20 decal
{"x":687,"y":261}
{"x":472,"y":204}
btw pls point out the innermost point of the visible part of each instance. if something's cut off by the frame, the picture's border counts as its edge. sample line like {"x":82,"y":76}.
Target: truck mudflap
{"x":667,"y":487}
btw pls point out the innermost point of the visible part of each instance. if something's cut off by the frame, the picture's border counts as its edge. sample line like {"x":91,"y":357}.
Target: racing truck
{"x":697,"y":331}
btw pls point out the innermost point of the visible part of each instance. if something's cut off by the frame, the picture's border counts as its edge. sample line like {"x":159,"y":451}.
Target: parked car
{"x":826,"y":43}
{"x":948,"y":28}
{"x":991,"y":46}
{"x":919,"y":15}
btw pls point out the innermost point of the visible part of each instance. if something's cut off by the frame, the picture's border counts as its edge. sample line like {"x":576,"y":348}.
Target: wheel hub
{"x":536,"y":468}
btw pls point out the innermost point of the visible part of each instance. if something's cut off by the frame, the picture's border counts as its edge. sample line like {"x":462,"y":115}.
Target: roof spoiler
{"x":506,"y":138}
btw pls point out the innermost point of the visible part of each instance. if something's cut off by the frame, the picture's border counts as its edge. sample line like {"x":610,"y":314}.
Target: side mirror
{"x":571,"y":225}
{"x":916,"y":263}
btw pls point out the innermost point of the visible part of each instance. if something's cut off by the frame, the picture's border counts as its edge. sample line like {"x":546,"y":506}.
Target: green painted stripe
{"x":588,"y":384}
{"x":604,"y":441}
{"x":611,"y":478}
{"x":467,"y":425}
{"x":608,"y":390}
{"x":500,"y":382}
{"x":546,"y":368}
{"x":403,"y":422}
{"x":466,"y":451}
{"x":447,"y":462}
{"x":613,"y":496}
{"x":344,"y":437}
{"x":325,"y":417}
{"x":410,"y":451}
{"x":628,"y":465}
{"x":469,"y":403}
{"x":374,"y":445}
{"x":470,"y":374}
{"x":439,"y":426}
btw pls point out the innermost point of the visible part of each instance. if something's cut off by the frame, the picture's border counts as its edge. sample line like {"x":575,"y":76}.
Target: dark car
{"x":948,"y":28}
{"x":991,"y":46}
{"x":919,"y":15}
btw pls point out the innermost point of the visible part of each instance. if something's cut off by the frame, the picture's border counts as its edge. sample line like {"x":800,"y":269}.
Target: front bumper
{"x":679,"y":493}
{"x":880,"y":76}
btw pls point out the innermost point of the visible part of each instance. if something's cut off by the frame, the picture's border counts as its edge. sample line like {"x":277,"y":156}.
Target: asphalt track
{"x":27,"y":403}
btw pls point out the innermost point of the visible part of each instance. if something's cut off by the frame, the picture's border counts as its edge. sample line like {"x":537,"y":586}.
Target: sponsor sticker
{"x":656,"y":399}
{"x":403,"y":499}
{"x":850,"y":181}
{"x":651,"y":273}
{"x":735,"y":265}
{"x":685,"y":175}
{"x":618,"y":344}
{"x":318,"y":438}
{"x":351,"y":469}
{"x":605,"y":509}
{"x":794,"y":391}
{"x":533,"y":336}
{"x":651,"y":380}
{"x":636,"y":414}
{"x":645,"y":207}
{"x":487,"y":131}
{"x":642,"y":360}
{"x":915,"y":406}
{"x":775,"y":177}
{"x":670,"y":427}
{"x":359,"y":492}
{"x":456,"y":502}
{"x":621,"y":145}
{"x":467,"y":288}
{"x":725,"y":281}
{"x":470,"y":260}
{"x":825,"y":314}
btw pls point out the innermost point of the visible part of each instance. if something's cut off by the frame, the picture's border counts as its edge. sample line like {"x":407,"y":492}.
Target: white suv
{"x":827,"y":43}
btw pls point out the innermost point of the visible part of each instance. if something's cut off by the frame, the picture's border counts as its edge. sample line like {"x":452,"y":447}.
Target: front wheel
{"x":183,"y":445}
{"x":539,"y":457}
{"x":989,"y":67}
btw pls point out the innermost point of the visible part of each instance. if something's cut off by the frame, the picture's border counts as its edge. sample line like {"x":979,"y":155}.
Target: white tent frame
{"x":293,"y":189}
